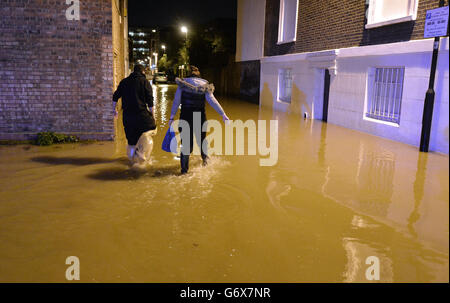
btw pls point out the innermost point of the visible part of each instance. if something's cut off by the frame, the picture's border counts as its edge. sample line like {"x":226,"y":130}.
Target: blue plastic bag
{"x":170,"y":143}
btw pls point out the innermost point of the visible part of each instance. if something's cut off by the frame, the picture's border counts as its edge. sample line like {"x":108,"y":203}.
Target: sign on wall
{"x":436,"y":22}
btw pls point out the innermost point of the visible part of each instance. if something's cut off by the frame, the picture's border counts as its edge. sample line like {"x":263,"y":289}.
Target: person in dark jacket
{"x":137,"y":105}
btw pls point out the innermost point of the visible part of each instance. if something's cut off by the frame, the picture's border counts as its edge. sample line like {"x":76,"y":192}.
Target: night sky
{"x":160,"y":13}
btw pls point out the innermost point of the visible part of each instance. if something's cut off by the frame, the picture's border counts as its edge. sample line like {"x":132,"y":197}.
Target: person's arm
{"x":116,"y":96}
{"x":118,"y":93}
{"x":176,"y":105}
{"x":148,"y":95}
{"x":216,"y":105}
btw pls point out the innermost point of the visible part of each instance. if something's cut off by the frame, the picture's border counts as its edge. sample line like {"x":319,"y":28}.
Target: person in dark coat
{"x":137,"y":105}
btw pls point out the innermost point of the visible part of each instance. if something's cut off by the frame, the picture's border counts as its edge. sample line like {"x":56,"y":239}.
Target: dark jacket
{"x":136,"y":94}
{"x":194,"y":101}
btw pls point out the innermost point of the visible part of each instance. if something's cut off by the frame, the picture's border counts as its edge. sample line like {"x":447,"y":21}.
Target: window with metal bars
{"x":385,"y":96}
{"x":285,"y":85}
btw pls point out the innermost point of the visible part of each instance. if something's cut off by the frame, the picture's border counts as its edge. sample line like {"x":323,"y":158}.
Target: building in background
{"x":144,"y":47}
{"x":59,"y":64}
{"x":359,"y":64}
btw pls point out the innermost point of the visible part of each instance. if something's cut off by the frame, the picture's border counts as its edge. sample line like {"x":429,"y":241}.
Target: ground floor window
{"x":385,"y":93}
{"x":285,"y":85}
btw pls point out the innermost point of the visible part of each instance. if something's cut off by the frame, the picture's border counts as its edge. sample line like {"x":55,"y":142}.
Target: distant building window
{"x":287,"y":27}
{"x":385,"y":94}
{"x":285,"y":85}
{"x":385,"y":12}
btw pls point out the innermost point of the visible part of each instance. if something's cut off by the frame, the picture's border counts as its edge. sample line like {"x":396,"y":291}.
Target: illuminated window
{"x":285,"y":85}
{"x":385,"y":93}
{"x":287,"y":26}
{"x":385,"y":12}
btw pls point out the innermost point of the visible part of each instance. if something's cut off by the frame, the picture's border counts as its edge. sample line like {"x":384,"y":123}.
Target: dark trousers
{"x":187,"y":114}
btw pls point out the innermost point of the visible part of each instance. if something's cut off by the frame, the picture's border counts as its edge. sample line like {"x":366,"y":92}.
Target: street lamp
{"x":184,"y":29}
{"x":156,"y":59}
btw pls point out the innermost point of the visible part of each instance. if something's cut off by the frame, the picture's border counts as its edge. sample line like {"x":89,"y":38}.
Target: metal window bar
{"x":377,"y":92}
{"x":386,"y":95}
{"x":286,"y":86}
{"x":394,"y":92}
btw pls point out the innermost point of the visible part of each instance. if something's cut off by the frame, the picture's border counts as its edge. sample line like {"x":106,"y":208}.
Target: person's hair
{"x":139,"y":68}
{"x":195,"y":72}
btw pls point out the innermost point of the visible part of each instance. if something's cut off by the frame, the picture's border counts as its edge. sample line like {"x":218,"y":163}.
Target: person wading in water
{"x":137,"y":105}
{"x":192,"y":92}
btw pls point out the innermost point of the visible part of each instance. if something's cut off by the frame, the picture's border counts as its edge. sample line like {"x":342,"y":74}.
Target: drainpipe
{"x":429,"y":97}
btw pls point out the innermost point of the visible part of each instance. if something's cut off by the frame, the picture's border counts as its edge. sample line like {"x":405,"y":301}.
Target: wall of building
{"x":57,"y":74}
{"x":331,"y":24}
{"x":241,"y":79}
{"x":348,"y":88}
{"x":250,"y":31}
{"x":348,"y":91}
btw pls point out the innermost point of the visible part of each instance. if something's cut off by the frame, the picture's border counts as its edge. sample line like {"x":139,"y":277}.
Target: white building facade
{"x":359,"y":75}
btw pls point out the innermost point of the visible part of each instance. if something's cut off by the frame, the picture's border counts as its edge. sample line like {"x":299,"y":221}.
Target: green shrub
{"x":49,"y":138}
{"x":44,"y":139}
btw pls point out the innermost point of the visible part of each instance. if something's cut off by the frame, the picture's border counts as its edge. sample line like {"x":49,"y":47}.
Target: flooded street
{"x":336,"y":197}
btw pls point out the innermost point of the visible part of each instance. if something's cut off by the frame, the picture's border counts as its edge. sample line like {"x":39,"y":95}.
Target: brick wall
{"x":55,"y":74}
{"x":332,"y":24}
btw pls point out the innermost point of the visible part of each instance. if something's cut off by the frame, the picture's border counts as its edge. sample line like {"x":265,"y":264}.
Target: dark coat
{"x":136,"y":94}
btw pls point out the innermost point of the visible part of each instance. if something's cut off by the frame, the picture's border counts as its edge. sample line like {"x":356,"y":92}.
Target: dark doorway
{"x":326,"y":95}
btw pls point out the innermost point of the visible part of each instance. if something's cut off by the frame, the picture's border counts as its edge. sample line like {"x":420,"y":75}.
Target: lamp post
{"x":184,"y":29}
{"x":429,"y":96}
{"x":164,"y":48}
{"x":156,"y":61}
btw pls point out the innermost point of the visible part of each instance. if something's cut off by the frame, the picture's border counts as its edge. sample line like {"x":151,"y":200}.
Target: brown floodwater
{"x":335,"y":197}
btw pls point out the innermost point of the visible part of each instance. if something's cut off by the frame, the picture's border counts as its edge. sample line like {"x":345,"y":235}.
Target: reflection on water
{"x":335,"y":197}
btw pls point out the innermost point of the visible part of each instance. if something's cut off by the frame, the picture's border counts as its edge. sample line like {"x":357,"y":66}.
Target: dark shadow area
{"x":75,"y":161}
{"x":419,"y":191}
{"x":388,"y":34}
{"x":323,"y":145}
{"x":118,"y":174}
{"x":238,"y":80}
